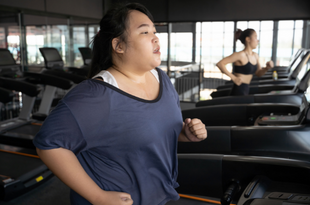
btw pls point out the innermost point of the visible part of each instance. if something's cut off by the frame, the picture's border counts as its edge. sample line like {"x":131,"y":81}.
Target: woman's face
{"x":253,"y":41}
{"x":142,"y":48}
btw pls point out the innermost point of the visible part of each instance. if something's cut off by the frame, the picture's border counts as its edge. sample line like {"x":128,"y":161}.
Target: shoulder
{"x":240,"y":53}
{"x":86,"y":91}
{"x":89,"y":100}
{"x":236,"y":56}
{"x":86,"y":86}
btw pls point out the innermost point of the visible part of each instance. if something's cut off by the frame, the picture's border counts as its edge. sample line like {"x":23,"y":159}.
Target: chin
{"x":157,"y":63}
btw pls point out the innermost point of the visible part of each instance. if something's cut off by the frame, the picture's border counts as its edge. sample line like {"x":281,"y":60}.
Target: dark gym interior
{"x":257,"y":151}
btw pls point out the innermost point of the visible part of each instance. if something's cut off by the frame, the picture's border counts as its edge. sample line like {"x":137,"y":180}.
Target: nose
{"x":155,"y":39}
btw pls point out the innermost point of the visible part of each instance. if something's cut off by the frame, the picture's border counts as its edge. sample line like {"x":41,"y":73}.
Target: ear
{"x":247,"y":39}
{"x":117,"y":45}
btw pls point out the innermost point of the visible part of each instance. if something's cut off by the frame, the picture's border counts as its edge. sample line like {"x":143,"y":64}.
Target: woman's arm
{"x":261,"y":71}
{"x":222,"y":66}
{"x":65,"y":165}
{"x":193,"y":131}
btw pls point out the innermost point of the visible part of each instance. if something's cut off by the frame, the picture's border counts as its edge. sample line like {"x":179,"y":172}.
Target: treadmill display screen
{"x":86,"y":53}
{"x":307,"y":94}
{"x":6,"y":58}
{"x":298,"y":60}
{"x":52,"y":55}
{"x":304,"y":69}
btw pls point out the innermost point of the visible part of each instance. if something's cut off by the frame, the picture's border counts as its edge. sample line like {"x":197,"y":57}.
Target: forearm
{"x":261,"y":72}
{"x":224,"y":70}
{"x":65,"y":165}
{"x":182,"y":137}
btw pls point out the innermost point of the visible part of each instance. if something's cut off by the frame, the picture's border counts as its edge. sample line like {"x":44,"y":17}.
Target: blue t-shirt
{"x":124,"y":143}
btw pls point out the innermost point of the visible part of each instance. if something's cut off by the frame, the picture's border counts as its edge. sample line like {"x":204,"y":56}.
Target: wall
{"x":176,"y":10}
{"x":91,"y":9}
{"x":222,"y":10}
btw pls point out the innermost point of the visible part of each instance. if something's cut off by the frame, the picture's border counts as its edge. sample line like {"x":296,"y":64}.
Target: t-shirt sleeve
{"x":60,"y":129}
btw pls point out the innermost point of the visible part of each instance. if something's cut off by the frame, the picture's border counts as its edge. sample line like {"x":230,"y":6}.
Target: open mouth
{"x":156,"y":50}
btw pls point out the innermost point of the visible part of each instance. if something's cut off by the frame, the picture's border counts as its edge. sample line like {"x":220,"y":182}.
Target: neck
{"x":135,"y":75}
{"x":248,"y":50}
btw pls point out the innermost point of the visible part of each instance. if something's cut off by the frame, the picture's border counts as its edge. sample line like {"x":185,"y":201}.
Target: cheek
{"x":143,"y":47}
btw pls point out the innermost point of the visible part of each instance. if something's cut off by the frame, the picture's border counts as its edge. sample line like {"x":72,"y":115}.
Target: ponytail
{"x":238,"y":34}
{"x":241,"y":35}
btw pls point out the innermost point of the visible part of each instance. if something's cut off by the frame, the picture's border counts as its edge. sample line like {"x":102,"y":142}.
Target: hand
{"x":114,"y":198}
{"x":237,"y":80}
{"x":269,"y":65}
{"x":195,"y":130}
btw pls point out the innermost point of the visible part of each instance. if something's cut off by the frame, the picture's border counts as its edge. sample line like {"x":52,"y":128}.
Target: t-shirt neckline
{"x":132,"y":96}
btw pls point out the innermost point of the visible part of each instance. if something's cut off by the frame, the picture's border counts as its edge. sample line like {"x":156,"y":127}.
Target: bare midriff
{"x":244,"y":78}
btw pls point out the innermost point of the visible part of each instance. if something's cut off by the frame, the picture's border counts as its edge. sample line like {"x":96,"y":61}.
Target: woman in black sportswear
{"x":246,"y":63}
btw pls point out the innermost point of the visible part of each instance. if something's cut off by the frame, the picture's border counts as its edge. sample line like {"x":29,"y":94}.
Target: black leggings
{"x":242,"y":89}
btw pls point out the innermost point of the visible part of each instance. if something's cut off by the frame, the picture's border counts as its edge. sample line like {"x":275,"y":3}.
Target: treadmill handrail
{"x":6,"y":95}
{"x":21,"y":86}
{"x":51,"y":80}
{"x":266,"y":87}
{"x":75,"y":78}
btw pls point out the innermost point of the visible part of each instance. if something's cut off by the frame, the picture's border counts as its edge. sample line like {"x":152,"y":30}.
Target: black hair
{"x":241,"y":35}
{"x":114,"y":24}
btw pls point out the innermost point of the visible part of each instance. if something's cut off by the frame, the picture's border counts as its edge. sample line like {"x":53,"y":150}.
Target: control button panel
{"x":278,"y":120}
{"x":279,"y":195}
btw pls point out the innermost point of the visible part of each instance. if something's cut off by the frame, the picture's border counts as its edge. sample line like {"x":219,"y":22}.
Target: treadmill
{"x":290,"y":80}
{"x":53,"y":61}
{"x":6,"y":95}
{"x":285,"y":69}
{"x":265,"y":88}
{"x":20,"y":131}
{"x":30,"y":91}
{"x":21,"y":169}
{"x":247,"y":114}
{"x":283,"y":72}
{"x":266,"y":163}
{"x":293,"y":96}
{"x":86,"y":55}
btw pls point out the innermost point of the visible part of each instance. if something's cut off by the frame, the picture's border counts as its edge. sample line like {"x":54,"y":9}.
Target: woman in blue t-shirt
{"x":246,"y":63}
{"x":113,"y":138}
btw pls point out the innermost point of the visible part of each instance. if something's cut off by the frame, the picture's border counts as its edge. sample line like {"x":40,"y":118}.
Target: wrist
{"x":99,"y":197}
{"x":183,"y":138}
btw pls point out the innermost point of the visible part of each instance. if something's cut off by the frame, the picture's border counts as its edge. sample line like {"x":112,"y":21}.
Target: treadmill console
{"x":11,"y":71}
{"x":278,"y":120}
{"x":283,"y":119}
{"x":263,"y":191}
{"x":87,"y":61}
{"x":280,"y":92}
{"x":55,"y":64}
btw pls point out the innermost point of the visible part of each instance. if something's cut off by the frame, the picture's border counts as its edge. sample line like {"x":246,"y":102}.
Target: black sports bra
{"x":246,"y":69}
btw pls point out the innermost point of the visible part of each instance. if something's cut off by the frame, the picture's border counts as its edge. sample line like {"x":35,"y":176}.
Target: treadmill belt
{"x":14,"y":165}
{"x":25,"y":131}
